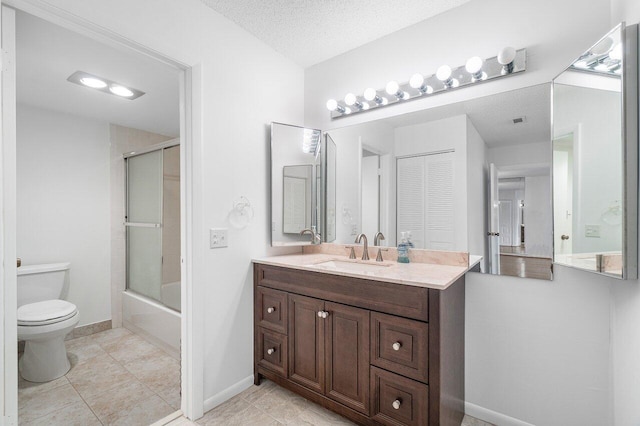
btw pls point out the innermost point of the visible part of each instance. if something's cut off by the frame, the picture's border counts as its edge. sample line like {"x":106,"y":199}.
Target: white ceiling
{"x":312,"y":31}
{"x":47,"y":54}
{"x":492,"y":116}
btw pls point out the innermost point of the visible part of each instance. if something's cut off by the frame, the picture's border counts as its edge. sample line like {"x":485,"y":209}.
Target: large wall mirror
{"x":595,"y":140}
{"x":443,"y":176}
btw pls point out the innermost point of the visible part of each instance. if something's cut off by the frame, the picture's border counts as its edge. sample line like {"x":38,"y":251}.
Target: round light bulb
{"x":120,"y":91}
{"x":332,"y":105}
{"x":347,"y":110}
{"x":392,"y":87}
{"x":385,"y":101}
{"x":416,"y":81}
{"x":350,"y":99}
{"x":365,"y":106}
{"x":616,"y":52}
{"x":506,"y":55}
{"x":370,"y":94}
{"x":95,"y":83}
{"x":443,"y":73}
{"x":474,"y":65}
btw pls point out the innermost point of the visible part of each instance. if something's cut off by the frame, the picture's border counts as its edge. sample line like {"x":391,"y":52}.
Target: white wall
{"x":63,"y":202}
{"x":477,"y":187}
{"x":535,"y":351}
{"x":537,"y":215}
{"x":230,"y":155}
{"x":625,"y":302}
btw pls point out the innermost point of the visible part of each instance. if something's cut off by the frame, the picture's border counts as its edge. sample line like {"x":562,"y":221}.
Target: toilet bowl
{"x":44,"y":320}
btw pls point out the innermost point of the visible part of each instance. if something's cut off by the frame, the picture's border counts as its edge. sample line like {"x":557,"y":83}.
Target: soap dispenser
{"x":403,"y":249}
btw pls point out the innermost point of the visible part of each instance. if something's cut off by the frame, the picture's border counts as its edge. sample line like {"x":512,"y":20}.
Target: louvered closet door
{"x":425,"y":188}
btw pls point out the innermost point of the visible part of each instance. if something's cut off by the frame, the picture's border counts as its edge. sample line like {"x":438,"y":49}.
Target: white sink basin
{"x":346,"y":266}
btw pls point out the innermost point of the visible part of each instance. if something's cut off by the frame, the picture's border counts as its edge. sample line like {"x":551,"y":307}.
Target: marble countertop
{"x":427,"y":275}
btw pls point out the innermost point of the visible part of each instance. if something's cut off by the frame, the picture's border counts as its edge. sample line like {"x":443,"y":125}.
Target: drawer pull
{"x":270,"y":351}
{"x":323,"y":314}
{"x":396,"y":404}
{"x":271,"y":310}
{"x":396,"y":346}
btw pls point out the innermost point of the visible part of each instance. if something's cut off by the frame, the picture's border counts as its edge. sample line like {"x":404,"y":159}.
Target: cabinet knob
{"x":271,"y":310}
{"x":396,"y":346}
{"x":320,"y":314}
{"x":270,"y":351}
{"x":396,"y":404}
{"x":323,"y":314}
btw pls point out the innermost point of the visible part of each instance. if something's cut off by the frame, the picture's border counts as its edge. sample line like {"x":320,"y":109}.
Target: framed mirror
{"x":473,"y":176}
{"x":295,"y":170}
{"x":595,"y":158}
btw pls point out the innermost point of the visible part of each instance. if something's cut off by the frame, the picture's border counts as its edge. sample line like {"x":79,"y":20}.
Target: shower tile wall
{"x":123,"y":139}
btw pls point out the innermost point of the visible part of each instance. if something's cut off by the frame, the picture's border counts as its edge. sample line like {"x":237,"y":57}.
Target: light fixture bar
{"x":104,"y":85}
{"x":474,"y":72}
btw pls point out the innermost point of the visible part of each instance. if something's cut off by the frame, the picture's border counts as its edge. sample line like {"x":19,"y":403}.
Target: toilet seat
{"x":46,"y":312}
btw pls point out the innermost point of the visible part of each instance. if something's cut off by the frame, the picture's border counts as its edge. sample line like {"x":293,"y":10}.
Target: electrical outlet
{"x":592,"y":231}
{"x":217,"y":237}
{"x":354,"y":230}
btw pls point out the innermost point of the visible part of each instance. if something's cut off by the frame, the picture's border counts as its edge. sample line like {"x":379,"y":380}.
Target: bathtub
{"x":170,"y":295}
{"x":153,"y":320}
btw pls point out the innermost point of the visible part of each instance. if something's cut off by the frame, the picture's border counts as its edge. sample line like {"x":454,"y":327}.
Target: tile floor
{"x":269,"y":404}
{"x":116,"y":378}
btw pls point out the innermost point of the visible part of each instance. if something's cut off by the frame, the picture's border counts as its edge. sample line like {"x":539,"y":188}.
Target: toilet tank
{"x":42,"y":282}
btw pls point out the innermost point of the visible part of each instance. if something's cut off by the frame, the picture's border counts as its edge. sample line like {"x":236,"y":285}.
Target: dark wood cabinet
{"x":306,"y":344}
{"x":347,"y":355}
{"x":377,"y":353}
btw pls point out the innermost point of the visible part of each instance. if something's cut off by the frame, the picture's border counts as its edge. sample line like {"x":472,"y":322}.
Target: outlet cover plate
{"x":592,"y":231}
{"x":218,"y":238}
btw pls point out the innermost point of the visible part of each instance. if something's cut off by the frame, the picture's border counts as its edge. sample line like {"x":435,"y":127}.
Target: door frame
{"x":192,"y":319}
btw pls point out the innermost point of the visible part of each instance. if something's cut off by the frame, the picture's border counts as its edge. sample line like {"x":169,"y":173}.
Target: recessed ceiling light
{"x":104,"y":85}
{"x":95,"y":83}
{"x":116,"y":89}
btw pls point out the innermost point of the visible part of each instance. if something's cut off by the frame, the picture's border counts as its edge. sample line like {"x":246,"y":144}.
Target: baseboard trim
{"x":492,"y":416}
{"x":228,"y":393}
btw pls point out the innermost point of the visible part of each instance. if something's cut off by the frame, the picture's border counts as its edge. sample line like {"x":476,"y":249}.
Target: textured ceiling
{"x":47,"y":54}
{"x":312,"y":31}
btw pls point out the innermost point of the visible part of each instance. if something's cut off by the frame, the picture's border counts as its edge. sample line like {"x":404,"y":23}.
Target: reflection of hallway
{"x":515,"y":261}
{"x":116,"y":377}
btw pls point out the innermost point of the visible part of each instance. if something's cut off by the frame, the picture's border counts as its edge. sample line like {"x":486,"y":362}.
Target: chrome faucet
{"x":365,"y":252}
{"x":315,"y":236}
{"x":376,"y":242}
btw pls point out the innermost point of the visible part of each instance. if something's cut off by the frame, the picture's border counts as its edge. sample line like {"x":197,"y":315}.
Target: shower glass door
{"x":144,"y":223}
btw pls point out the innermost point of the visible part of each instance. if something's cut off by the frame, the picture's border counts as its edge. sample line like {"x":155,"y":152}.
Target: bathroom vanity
{"x":377,"y":342}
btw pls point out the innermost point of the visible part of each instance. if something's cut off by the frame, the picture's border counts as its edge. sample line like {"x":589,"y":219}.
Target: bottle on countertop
{"x":409,"y":242}
{"x":403,"y":249}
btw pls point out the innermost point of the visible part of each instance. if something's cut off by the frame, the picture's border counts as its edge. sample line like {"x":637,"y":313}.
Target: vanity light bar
{"x":508,"y":62}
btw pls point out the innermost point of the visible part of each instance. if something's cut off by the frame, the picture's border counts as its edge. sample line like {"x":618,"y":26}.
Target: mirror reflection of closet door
{"x":144,"y":223}
{"x":425,"y":200}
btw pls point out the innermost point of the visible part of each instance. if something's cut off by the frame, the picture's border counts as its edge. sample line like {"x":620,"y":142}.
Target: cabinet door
{"x":306,"y":342}
{"x":347,"y":356}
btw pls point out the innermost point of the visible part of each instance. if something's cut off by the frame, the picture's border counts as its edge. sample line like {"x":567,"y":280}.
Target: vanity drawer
{"x":397,"y":400}
{"x":272,"y":351}
{"x":271,"y":309}
{"x":400,"y":345}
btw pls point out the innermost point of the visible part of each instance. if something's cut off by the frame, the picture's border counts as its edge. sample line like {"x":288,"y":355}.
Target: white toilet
{"x":44,"y":319}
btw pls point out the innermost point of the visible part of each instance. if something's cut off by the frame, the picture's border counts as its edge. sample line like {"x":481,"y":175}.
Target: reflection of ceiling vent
{"x":519,"y":120}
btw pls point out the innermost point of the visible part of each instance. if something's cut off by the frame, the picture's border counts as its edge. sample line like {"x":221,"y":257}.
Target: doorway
{"x":8,"y":200}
